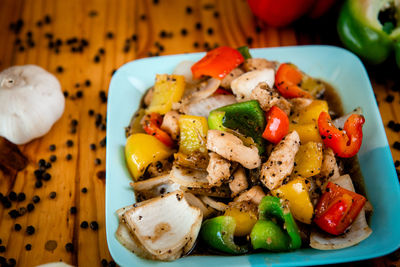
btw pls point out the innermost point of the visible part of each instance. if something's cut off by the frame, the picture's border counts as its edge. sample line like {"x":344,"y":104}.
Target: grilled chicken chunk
{"x":281,"y":161}
{"x":226,"y":81}
{"x":170,"y":124}
{"x":258,"y":64}
{"x":329,"y":168}
{"x":232,"y":148}
{"x":239,"y":182}
{"x":254,"y":195}
{"x":268,"y":97}
{"x":218,"y":169}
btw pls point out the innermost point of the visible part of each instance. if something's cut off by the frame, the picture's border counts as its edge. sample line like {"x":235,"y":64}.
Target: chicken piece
{"x":149,"y":96}
{"x":329,"y":168}
{"x":245,"y":83}
{"x":232,"y":148}
{"x":218,"y":169}
{"x":170,"y":124}
{"x":258,"y":64}
{"x":226,"y":81}
{"x":281,"y":161}
{"x":268,"y":97}
{"x":299,"y":104}
{"x":254,"y":195}
{"x":239,"y":182}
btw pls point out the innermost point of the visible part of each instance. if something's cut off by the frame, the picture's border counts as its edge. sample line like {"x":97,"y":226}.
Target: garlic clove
{"x":31,"y":101}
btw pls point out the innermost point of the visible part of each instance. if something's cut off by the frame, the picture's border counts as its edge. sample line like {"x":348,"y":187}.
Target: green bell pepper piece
{"x":244,"y":50}
{"x":246,"y":117}
{"x":273,"y":208}
{"x":218,"y":233}
{"x":361,"y":31}
{"x":270,"y":236}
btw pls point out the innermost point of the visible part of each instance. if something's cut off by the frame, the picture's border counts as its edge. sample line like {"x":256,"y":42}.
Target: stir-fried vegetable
{"x":218,"y":233}
{"x":167,"y":90}
{"x":245,"y":117}
{"x":337,"y":209}
{"x":193,"y":133}
{"x":287,"y":80}
{"x":217,"y":63}
{"x":277,"y":125}
{"x":265,"y":233}
{"x":345,"y":143}
{"x":141,"y":150}
{"x":152,"y":126}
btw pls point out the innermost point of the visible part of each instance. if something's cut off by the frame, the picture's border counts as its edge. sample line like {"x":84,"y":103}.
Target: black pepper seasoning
{"x":28,"y":247}
{"x":84,"y":190}
{"x":13,"y":214}
{"x":112,"y":264}
{"x":17,"y":227}
{"x":2,"y":249}
{"x":53,"y":158}
{"x":68,"y":157}
{"x":94,"y":225}
{"x":38,"y":184}
{"x":97,"y":161}
{"x":11,"y":262}
{"x":92,"y":146}
{"x":73,"y":210}
{"x":21,"y":197}
{"x":60,"y":69}
{"x":52,"y":147}
{"x":30,"y":207}
{"x":91,"y":112}
{"x":84,"y":225}
{"x":69,"y":247}
{"x":12,"y":196}
{"x":30,"y":230}
{"x":104,"y":262}
{"x":88,"y":83}
{"x":36,"y":199}
{"x":70,"y":143}
{"x":110,"y":35}
{"x":46,"y":176}
{"x":189,"y":10}
{"x":53,"y":195}
{"x":210,"y":31}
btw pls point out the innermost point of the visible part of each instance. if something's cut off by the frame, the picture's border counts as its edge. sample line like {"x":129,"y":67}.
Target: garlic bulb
{"x":31,"y":101}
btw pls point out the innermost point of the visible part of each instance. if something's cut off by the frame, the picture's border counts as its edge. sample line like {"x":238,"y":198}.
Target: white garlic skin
{"x":31,"y":101}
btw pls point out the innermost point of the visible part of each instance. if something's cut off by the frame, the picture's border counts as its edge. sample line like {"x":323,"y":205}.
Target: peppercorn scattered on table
{"x":53,"y":209}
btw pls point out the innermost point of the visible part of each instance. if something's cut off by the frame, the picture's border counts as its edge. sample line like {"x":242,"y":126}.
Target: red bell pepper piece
{"x":337,"y":209}
{"x":217,"y":63}
{"x":152,"y":125}
{"x":287,"y":80}
{"x":221,"y":91}
{"x":345,"y":143}
{"x":277,"y":125}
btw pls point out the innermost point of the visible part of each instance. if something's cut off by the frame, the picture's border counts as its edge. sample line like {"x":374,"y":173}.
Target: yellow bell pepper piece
{"x":307,"y":132}
{"x":311,"y":113}
{"x":167,"y":90}
{"x":296,"y":192}
{"x":245,"y":219}
{"x":141,"y":150}
{"x":193,"y":134}
{"x":135,"y":125}
{"x":308,"y":160}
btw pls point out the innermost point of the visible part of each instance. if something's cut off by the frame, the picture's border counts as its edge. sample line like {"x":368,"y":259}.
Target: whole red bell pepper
{"x":217,"y":63}
{"x":337,"y":209}
{"x":277,"y":125}
{"x":280,"y":13}
{"x":151,"y":125}
{"x":345,"y":143}
{"x":287,"y":81}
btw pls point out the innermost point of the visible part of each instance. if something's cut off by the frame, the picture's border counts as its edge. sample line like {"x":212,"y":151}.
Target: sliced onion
{"x":339,"y":122}
{"x":358,"y":231}
{"x":184,"y":69}
{"x":203,"y":107}
{"x":189,"y":177}
{"x":213,"y":203}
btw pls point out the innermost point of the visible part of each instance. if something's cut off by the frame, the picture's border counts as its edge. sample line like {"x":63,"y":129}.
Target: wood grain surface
{"x":151,"y":28}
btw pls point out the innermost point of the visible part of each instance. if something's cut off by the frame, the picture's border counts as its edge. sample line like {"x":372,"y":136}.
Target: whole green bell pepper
{"x":246,"y":117}
{"x":267,"y":234}
{"x":361,"y":30}
{"x":218,"y":233}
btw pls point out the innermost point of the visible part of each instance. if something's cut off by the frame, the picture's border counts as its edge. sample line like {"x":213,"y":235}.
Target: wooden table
{"x":152,"y":28}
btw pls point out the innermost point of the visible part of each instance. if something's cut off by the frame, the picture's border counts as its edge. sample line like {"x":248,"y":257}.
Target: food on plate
{"x":31,"y":101}
{"x":241,"y":155}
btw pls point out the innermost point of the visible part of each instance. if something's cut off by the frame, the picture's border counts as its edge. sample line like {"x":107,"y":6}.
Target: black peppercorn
{"x":13,"y":214}
{"x":12,"y":196}
{"x":30,"y":207}
{"x":84,"y":225}
{"x":60,"y":69}
{"x":46,"y":176}
{"x":92,"y":146}
{"x":38,"y":184}
{"x":30,"y":230}
{"x":94,"y":226}
{"x":91,"y":112}
{"x":79,"y":94}
{"x":53,"y":195}
{"x":88,"y":83}
{"x":104,"y":262}
{"x":96,"y":59}
{"x":110,"y":35}
{"x":28,"y":247}
{"x":70,"y":143}
{"x":97,"y":161}
{"x":21,"y":197}
{"x":52,"y":147}
{"x":11,"y":262}
{"x":73,"y":210}
{"x":68,"y":157}
{"x":189,"y":10}
{"x":112,"y":264}
{"x":69,"y":247}
{"x":36,"y":199}
{"x":53,"y":158}
{"x":84,"y":190}
{"x":17,"y":227}
{"x":2,"y":249}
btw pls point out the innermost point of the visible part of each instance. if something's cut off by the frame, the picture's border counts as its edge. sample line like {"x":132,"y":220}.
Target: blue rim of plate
{"x":337,"y":66}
